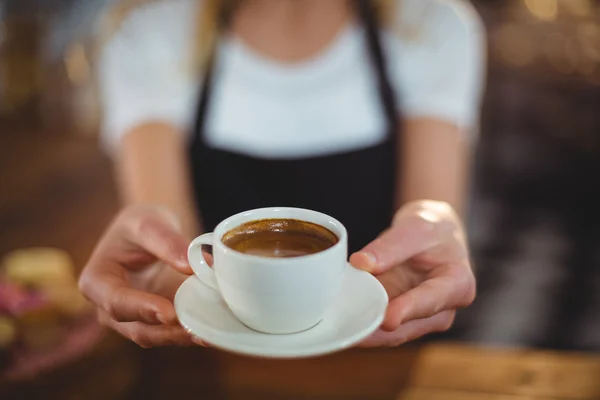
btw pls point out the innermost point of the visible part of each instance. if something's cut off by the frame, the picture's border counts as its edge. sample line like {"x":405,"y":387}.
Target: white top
{"x":326,"y":104}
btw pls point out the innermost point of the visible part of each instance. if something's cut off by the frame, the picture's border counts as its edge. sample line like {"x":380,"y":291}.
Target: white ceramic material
{"x":273,"y":295}
{"x":355,"y":313}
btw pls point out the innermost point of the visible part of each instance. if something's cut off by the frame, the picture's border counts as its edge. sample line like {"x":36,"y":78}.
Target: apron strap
{"x":224,"y":14}
{"x":203,"y":103}
{"x":368,"y":15}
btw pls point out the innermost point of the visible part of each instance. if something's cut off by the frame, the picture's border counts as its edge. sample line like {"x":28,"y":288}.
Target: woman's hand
{"x":423,"y":263}
{"x":134,"y":273}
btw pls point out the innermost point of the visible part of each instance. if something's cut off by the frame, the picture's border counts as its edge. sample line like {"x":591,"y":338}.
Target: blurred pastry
{"x":8,"y":332}
{"x":38,"y":291}
{"x":39,"y":267}
{"x":14,"y":299}
{"x":68,"y":300}
{"x":38,"y":321}
{"x":8,"y":336}
{"x":39,"y":328}
{"x":33,"y":314}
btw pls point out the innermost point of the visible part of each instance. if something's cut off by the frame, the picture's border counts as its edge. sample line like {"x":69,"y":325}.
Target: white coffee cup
{"x":273,"y":295}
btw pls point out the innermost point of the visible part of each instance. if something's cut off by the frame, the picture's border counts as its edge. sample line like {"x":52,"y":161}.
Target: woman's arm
{"x":422,"y":259}
{"x":440,"y":81}
{"x":152,"y":168}
{"x":433,"y":163}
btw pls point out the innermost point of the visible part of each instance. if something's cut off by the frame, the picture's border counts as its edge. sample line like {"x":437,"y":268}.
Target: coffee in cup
{"x":279,"y":238}
{"x":278,"y":269}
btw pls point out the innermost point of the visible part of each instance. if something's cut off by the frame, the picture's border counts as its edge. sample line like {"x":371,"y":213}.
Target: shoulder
{"x":436,"y":20}
{"x":143,"y":69}
{"x":166,"y":15}
{"x":153,"y":32}
{"x":437,"y":57}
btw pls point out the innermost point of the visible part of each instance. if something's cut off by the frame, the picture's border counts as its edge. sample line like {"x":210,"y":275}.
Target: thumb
{"x":411,"y":234}
{"x":156,"y":231}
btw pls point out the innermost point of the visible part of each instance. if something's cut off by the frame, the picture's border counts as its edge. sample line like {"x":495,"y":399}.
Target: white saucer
{"x":356,"y":313}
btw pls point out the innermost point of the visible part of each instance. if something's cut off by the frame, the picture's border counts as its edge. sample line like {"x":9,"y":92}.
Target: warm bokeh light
{"x":76,"y":64}
{"x":572,"y":54}
{"x":585,"y":65}
{"x":589,"y":36}
{"x":545,"y":10}
{"x":515,"y":46}
{"x":580,"y":8}
{"x":556,"y":51}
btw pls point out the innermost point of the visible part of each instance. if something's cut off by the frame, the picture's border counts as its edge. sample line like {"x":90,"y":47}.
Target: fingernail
{"x":198,"y":341}
{"x":371,"y":259}
{"x":183,"y":263}
{"x":392,"y":321}
{"x":161,"y":318}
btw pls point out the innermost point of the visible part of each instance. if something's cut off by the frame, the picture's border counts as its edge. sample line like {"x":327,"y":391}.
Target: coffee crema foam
{"x":279,"y":238}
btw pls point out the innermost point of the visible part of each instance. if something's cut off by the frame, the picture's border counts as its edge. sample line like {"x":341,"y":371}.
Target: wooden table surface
{"x":440,"y":371}
{"x":57,"y":190}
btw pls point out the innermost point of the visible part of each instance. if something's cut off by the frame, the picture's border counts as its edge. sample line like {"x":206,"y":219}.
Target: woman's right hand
{"x":133,"y":274}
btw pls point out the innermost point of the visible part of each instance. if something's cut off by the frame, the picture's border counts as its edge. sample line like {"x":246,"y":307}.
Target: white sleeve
{"x":141,"y":72}
{"x":439,"y":71}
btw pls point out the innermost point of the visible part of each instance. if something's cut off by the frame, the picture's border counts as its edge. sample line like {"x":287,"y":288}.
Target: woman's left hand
{"x":423,"y":262}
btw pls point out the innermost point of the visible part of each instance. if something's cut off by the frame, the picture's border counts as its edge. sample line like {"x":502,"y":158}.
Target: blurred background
{"x":534,"y":221}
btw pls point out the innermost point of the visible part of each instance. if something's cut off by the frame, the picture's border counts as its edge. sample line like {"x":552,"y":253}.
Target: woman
{"x":359,"y":109}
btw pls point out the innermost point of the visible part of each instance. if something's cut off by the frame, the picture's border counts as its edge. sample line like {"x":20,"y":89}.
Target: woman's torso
{"x":317,"y":129}
{"x":326,"y":104}
{"x":230,"y":180}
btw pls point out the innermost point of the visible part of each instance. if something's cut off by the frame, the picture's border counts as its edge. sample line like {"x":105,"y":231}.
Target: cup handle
{"x":198,"y":263}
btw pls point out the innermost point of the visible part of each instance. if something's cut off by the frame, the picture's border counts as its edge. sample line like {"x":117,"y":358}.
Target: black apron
{"x":356,"y":187}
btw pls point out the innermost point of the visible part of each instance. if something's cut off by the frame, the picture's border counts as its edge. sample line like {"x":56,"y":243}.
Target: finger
{"x":128,"y":305}
{"x":453,"y":288}
{"x":399,"y":280}
{"x":208,"y":257}
{"x":411,"y":330}
{"x":410,"y":235}
{"x":148,"y":335}
{"x":108,"y":288}
{"x":156,"y":232}
{"x":199,"y":341}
